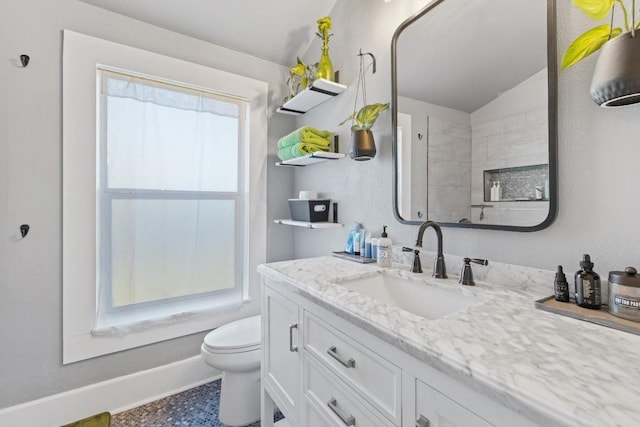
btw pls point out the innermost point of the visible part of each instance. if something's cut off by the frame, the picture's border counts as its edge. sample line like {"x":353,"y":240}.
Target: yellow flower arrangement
{"x":302,"y":75}
{"x":325,"y":67}
{"x":324,"y":24}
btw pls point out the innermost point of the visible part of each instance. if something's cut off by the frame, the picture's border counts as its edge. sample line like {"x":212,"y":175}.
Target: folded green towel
{"x":299,"y":150}
{"x":305,"y":134}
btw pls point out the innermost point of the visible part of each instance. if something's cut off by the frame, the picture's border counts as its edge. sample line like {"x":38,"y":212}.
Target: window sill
{"x":135,"y":320}
{"x":89,"y":345}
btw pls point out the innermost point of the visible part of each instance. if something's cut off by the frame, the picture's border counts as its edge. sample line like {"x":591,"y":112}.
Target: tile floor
{"x":197,"y":407}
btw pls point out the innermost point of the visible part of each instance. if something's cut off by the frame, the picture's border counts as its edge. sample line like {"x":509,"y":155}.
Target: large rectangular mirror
{"x":474,"y":114}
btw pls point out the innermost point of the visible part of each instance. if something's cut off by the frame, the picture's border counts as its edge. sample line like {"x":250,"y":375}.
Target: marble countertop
{"x":555,"y":370}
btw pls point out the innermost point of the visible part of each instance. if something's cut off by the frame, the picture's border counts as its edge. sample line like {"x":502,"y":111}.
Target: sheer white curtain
{"x":170,"y":199}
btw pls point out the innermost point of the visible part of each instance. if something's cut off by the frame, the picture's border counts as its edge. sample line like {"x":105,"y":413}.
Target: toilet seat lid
{"x":242,"y":335}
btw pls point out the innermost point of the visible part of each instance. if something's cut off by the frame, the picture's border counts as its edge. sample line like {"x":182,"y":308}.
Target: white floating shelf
{"x":318,"y":156}
{"x":320,"y":90}
{"x":308,"y":224}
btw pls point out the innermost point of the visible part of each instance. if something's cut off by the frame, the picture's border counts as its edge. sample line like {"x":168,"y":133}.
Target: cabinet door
{"x":280,"y":359}
{"x":434,"y":409}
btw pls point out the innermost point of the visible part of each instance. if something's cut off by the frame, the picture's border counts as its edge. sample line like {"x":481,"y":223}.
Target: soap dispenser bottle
{"x":587,"y":285}
{"x":384,"y":249}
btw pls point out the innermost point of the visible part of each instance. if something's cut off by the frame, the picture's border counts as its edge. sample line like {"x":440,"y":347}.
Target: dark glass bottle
{"x":588,"y":289}
{"x":560,"y":286}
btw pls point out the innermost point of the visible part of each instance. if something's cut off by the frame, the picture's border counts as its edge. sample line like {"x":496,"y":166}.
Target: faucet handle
{"x":417,"y":265}
{"x":466,"y":275}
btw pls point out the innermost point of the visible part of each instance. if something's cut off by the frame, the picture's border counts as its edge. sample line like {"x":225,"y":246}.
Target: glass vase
{"x":325,"y":67}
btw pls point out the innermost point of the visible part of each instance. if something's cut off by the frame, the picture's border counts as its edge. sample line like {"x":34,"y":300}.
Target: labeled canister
{"x":624,"y":294}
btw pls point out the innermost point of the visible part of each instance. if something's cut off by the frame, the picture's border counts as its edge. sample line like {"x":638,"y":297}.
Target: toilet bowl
{"x":234,"y":349}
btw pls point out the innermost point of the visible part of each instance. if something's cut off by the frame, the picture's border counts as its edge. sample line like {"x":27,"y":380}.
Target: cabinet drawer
{"x":434,"y":409}
{"x":314,"y":417}
{"x":336,"y":402}
{"x":375,"y":378}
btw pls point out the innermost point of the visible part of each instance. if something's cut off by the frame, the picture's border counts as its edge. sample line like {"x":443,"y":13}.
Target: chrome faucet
{"x":439,"y":268}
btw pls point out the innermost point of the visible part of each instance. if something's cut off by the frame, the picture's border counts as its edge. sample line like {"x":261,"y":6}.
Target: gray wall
{"x":598,"y":154}
{"x":598,"y":157}
{"x":30,"y":189}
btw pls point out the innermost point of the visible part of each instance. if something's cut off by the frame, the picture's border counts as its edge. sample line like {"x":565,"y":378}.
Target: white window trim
{"x":82,"y":55}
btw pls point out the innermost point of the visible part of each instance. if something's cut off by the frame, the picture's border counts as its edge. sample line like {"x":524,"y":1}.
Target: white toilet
{"x":234,"y":349}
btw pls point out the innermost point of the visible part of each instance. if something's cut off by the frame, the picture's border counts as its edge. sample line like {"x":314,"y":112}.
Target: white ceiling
{"x":463,"y":53}
{"x":276,"y":30}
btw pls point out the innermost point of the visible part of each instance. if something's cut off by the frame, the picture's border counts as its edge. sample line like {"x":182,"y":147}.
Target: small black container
{"x":309,"y":210}
{"x":560,"y":286}
{"x":588,"y":288}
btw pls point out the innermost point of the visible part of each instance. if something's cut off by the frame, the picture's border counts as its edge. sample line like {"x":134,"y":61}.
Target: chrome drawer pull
{"x":423,"y":421}
{"x":348,"y":364}
{"x":292,"y":348}
{"x":348,"y":420}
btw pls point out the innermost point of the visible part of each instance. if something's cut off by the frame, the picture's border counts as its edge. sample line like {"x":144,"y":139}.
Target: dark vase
{"x":363,"y":147}
{"x":616,"y":78}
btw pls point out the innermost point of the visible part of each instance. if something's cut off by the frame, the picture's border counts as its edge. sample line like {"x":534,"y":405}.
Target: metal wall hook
{"x":24,"y":60}
{"x":372,"y":57}
{"x":24,"y":230}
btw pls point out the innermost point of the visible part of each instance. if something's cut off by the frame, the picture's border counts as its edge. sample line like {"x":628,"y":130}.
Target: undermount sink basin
{"x":414,"y":296}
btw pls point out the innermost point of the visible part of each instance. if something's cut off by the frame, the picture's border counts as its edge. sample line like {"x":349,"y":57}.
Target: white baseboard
{"x":115,"y":395}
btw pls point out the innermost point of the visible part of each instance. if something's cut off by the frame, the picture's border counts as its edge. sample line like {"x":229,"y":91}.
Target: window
{"x":164,"y":222}
{"x":170,"y":198}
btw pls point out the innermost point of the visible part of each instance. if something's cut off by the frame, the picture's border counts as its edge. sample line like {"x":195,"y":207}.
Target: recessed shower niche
{"x":523,"y":183}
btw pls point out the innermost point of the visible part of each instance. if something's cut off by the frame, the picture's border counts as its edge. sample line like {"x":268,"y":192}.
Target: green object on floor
{"x":100,"y":420}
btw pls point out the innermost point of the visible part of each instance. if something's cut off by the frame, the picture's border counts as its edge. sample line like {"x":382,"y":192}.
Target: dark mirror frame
{"x":552,"y":79}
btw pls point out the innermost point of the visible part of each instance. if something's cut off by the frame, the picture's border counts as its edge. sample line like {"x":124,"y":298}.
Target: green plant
{"x":301,"y":75}
{"x":592,"y":40}
{"x":366,"y":116}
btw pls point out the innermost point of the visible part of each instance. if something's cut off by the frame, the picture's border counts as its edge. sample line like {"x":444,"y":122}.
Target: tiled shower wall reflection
{"x":449,"y":170}
{"x":510,"y":132}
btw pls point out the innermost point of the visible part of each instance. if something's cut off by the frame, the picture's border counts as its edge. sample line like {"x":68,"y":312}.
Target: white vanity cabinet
{"x":320,"y":369}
